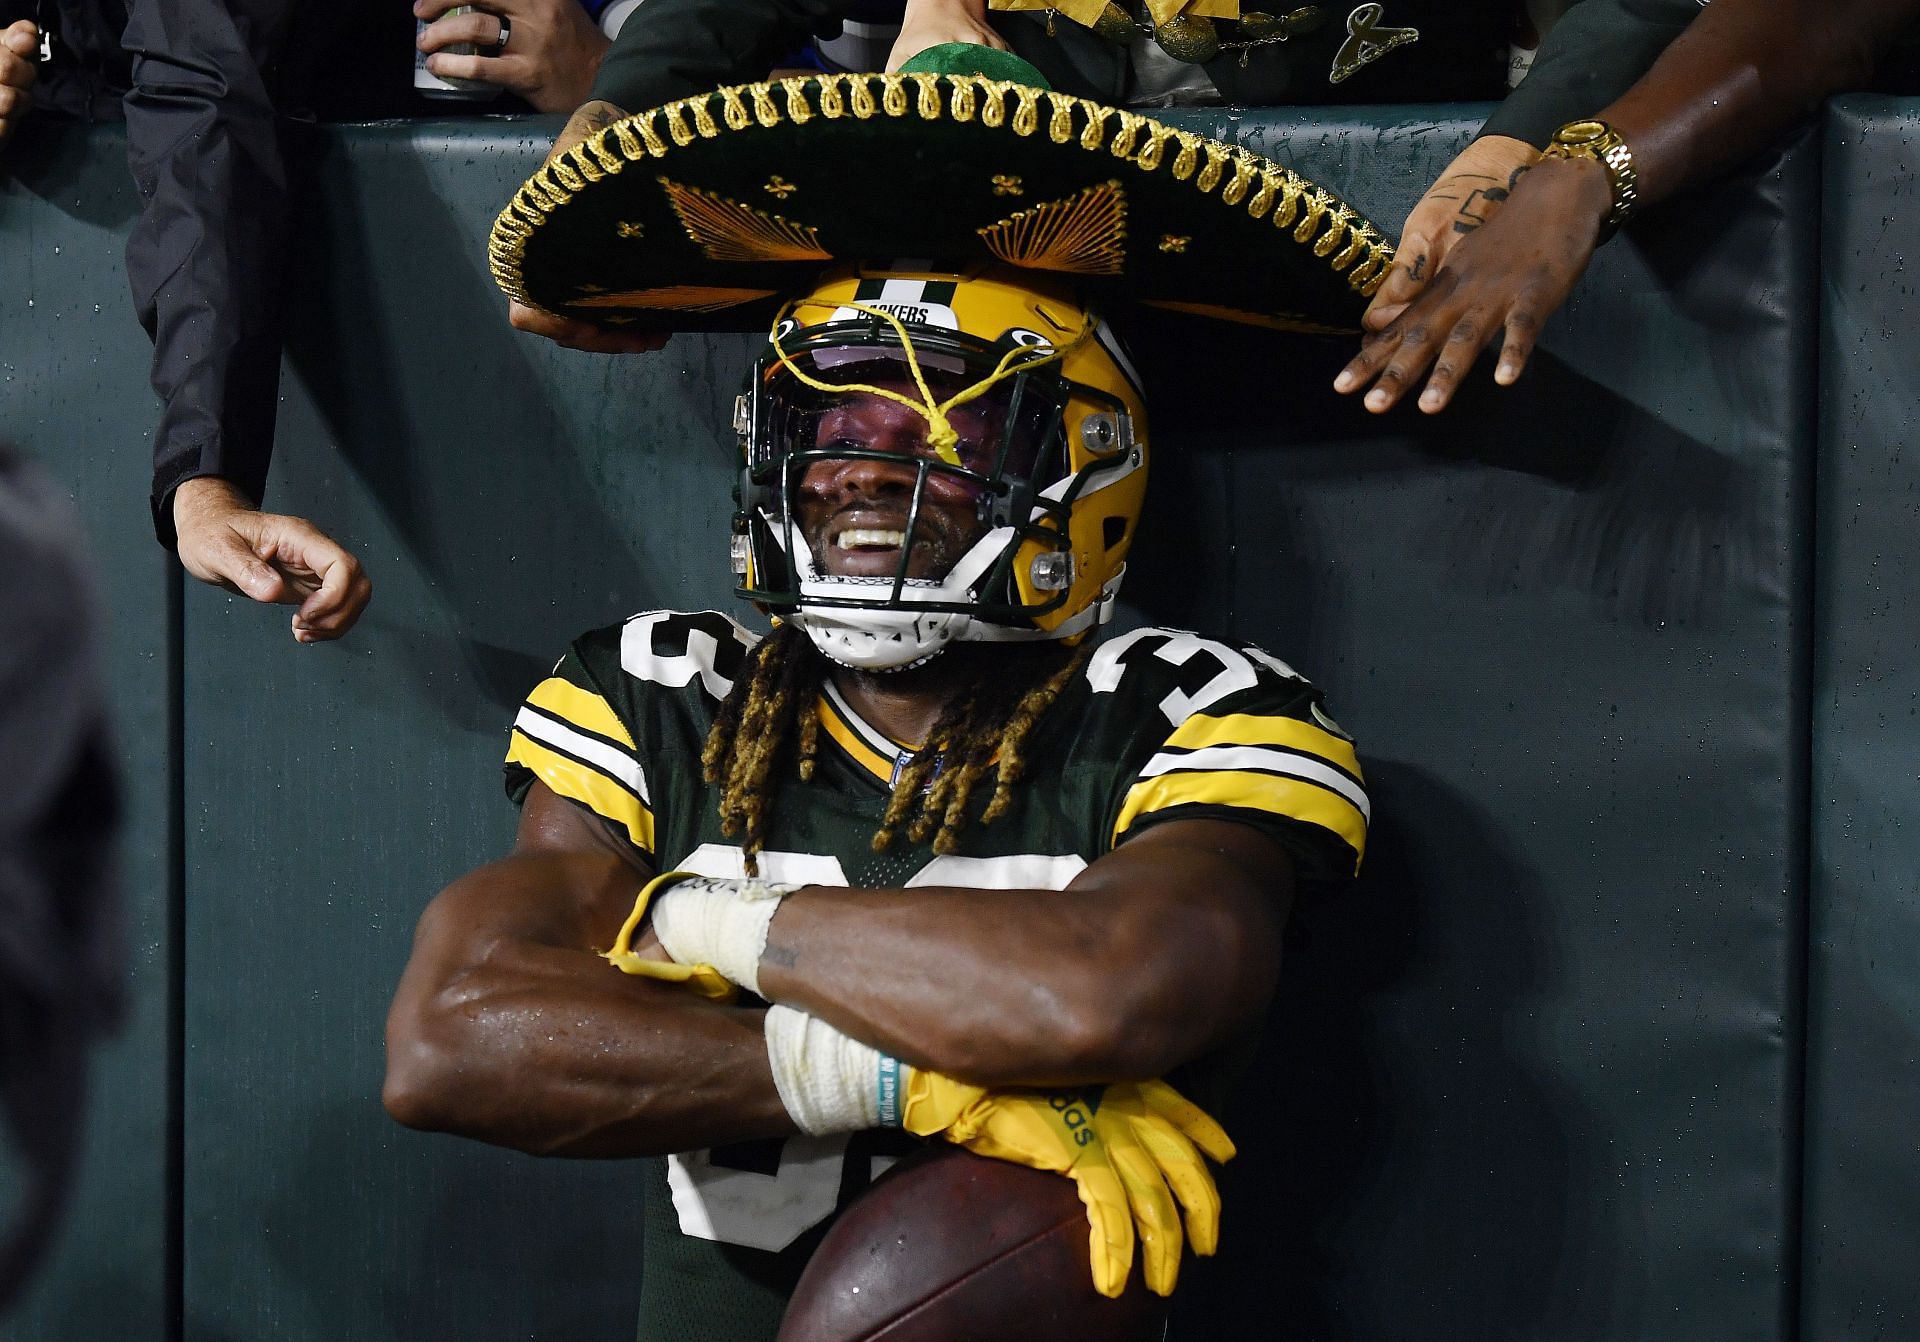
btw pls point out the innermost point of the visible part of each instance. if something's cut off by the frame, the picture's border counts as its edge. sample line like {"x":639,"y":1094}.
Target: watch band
{"x":1599,"y":141}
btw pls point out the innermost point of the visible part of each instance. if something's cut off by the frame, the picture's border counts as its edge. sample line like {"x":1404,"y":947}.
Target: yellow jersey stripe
{"x":1289,"y":797}
{"x":1249,"y":729}
{"x":583,"y":708}
{"x":850,"y":741}
{"x":587,"y":785}
{"x":1261,"y":759}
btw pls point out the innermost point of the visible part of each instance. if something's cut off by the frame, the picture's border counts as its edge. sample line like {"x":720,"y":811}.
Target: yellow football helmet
{"x":1024,"y":399}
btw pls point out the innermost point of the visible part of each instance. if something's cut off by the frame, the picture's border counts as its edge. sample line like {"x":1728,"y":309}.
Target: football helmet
{"x":1022,"y":407}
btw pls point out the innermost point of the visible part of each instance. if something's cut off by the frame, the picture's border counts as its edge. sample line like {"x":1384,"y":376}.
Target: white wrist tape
{"x":707,"y":920}
{"x":828,"y":1081}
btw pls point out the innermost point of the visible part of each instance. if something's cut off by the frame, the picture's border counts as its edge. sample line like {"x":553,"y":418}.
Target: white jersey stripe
{"x":608,"y":759}
{"x":1211,"y":758}
{"x":876,"y":739}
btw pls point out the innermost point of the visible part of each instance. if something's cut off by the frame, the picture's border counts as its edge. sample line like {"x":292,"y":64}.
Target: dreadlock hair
{"x":773,"y":712}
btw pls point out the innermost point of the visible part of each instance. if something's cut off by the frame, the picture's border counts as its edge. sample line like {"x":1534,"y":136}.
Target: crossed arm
{"x":510,"y":1028}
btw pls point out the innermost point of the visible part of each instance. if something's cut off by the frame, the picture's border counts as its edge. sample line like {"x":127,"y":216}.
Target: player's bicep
{"x":1243,"y":872}
{"x":551,"y":823}
{"x":1215,"y":894}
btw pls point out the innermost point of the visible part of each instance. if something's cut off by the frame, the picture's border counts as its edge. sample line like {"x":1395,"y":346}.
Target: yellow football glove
{"x":703,"y":979}
{"x":1123,"y":1145}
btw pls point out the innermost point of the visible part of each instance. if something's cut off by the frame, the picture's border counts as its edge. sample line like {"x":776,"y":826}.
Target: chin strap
{"x":940,"y":433}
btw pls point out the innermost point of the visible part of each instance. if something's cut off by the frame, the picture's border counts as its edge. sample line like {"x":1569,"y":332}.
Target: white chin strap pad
{"x":879,"y":640}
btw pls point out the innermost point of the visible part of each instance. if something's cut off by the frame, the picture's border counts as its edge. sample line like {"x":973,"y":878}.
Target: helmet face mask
{"x":1018,"y":522}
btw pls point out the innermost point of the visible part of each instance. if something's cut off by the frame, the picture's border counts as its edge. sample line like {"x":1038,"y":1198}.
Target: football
{"x":953,"y":1247}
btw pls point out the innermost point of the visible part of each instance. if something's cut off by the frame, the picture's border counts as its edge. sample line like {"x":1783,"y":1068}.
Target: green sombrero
{"x":703,"y":214}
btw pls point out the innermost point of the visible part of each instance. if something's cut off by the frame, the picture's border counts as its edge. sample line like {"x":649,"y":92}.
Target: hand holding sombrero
{"x":702,"y":214}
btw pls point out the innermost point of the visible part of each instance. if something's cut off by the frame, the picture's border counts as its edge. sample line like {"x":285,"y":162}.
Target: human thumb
{"x":229,"y":560}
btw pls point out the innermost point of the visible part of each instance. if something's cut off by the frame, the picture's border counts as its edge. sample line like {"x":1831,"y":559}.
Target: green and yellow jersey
{"x":1162,"y":724}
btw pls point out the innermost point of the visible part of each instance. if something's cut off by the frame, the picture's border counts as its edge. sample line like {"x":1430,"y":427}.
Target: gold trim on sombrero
{"x":1082,"y":234}
{"x":1317,"y":219}
{"x":726,"y":230}
{"x":675,"y":298}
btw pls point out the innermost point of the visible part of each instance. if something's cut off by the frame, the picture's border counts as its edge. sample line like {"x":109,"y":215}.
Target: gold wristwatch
{"x":1601,"y":142}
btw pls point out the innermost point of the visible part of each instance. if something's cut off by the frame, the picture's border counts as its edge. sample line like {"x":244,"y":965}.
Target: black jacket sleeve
{"x":204,"y":258}
{"x":1597,"y":51}
{"x":669,"y":49}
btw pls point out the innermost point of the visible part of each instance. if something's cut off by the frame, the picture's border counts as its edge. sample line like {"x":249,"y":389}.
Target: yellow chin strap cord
{"x":940,"y":432}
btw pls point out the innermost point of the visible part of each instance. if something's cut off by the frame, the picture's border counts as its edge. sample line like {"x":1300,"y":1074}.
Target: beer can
{"x":434,"y":86}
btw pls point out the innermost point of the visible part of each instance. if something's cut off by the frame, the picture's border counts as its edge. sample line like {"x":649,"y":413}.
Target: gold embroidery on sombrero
{"x":1217,"y":155}
{"x":1084,"y":234}
{"x":1060,"y":123}
{"x":597,"y":146}
{"x":764,"y":111}
{"x":929,"y":103}
{"x":675,"y":298}
{"x":1316,"y":219}
{"x":1245,"y":168}
{"x":1336,"y":225}
{"x":798,"y":112}
{"x":726,"y":230}
{"x":1317,"y":204}
{"x":1148,"y":160}
{"x":1367,"y":277}
{"x":1095,"y":134}
{"x":961,"y":108}
{"x":732,"y":110}
{"x":583,"y":164}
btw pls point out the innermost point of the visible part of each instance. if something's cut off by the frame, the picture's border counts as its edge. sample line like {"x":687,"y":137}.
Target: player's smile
{"x":853,"y":512}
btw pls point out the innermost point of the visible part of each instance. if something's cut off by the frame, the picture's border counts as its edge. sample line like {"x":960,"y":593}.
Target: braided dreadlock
{"x":773,"y":710}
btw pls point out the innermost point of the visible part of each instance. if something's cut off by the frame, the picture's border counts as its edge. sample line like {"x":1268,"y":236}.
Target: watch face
{"x":1581,"y":132}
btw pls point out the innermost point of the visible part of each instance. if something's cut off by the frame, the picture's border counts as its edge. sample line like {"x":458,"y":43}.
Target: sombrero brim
{"x":703,"y":214}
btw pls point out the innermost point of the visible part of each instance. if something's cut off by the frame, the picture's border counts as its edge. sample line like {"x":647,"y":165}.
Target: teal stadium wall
{"x":1541,"y":1075}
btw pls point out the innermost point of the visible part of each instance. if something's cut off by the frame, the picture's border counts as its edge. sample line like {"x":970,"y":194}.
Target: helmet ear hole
{"x":1113,"y":530}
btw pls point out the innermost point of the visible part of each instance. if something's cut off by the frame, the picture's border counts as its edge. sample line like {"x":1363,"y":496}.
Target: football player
{"x":955,"y":848}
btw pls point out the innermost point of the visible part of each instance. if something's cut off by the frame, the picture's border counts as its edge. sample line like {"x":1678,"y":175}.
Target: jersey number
{"x":1233,"y":668}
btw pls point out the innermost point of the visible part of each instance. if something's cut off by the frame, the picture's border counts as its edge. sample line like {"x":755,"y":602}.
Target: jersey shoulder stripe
{"x":582,"y":782}
{"x":569,"y":736}
{"x":1240,"y":738}
{"x":584,"y":709}
{"x":1205,"y":731}
{"x":594,"y":751}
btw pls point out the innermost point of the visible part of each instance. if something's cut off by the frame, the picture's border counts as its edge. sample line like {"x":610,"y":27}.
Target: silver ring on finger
{"x":500,"y":42}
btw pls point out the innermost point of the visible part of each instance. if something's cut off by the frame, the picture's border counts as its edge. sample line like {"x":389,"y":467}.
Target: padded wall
{"x":505,"y":495}
{"x":73,"y":395}
{"x":1534,"y":1078}
{"x":1863,"y":1167}
{"x":1537,"y":1077}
